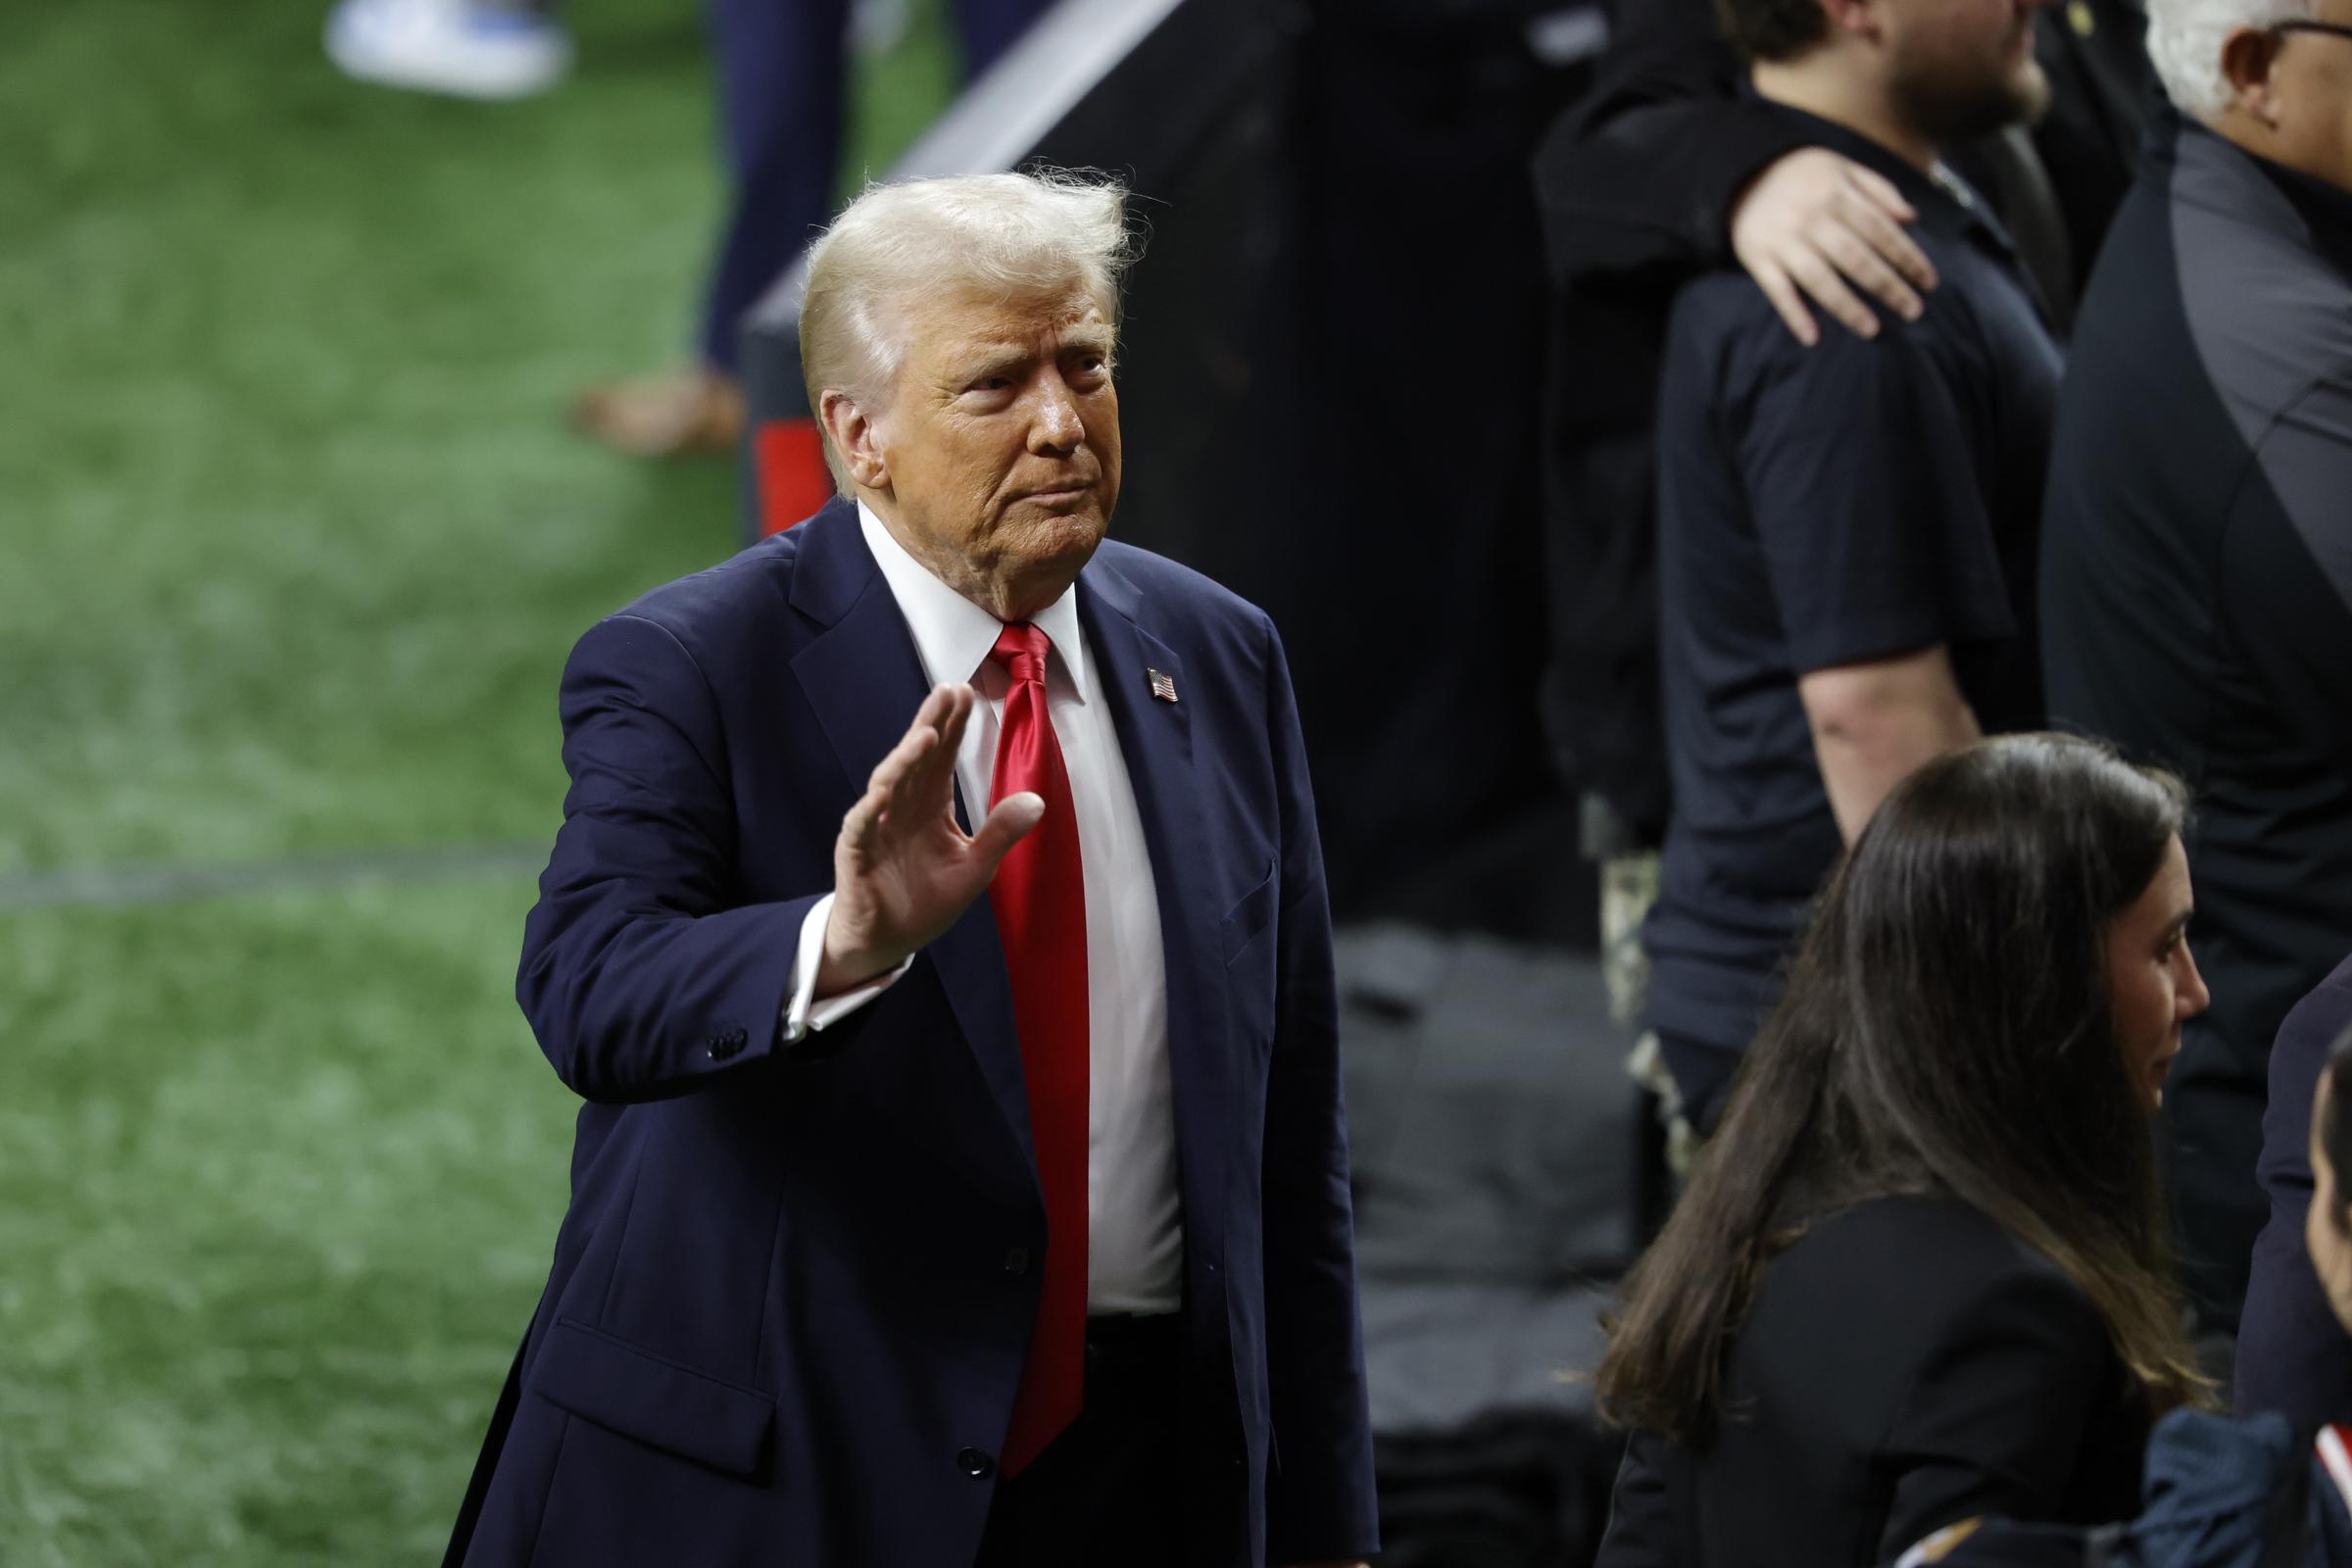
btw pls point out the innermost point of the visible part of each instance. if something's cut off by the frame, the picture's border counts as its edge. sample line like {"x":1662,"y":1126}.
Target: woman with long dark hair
{"x":1920,"y":1273}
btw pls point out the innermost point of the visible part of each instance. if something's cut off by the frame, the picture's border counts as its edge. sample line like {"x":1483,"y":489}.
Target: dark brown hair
{"x":1945,"y":1029}
{"x":1772,"y":29}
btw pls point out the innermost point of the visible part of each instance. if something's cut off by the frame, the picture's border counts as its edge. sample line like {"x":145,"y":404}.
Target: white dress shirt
{"x":1135,"y":1229}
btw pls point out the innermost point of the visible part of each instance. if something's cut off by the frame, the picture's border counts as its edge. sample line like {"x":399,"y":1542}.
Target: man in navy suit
{"x":912,"y":1227}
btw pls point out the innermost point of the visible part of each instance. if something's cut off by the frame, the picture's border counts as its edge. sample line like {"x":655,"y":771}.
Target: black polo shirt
{"x":2199,"y":593}
{"x":1852,"y":502}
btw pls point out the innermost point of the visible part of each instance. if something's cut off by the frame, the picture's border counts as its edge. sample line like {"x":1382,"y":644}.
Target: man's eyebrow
{"x":980,"y":360}
{"x":983,"y":360}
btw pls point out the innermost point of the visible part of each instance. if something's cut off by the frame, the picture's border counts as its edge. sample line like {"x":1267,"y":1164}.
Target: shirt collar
{"x":1945,"y":201}
{"x":953,"y":636}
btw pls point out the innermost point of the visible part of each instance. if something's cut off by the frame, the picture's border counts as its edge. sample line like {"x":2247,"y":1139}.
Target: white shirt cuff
{"x":803,"y":1012}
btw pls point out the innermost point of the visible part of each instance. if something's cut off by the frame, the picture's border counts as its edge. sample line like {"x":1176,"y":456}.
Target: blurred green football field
{"x":292,"y":545}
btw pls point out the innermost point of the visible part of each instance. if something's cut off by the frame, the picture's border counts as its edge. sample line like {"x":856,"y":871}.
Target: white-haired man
{"x":2197,"y":607}
{"x":910,"y":1227}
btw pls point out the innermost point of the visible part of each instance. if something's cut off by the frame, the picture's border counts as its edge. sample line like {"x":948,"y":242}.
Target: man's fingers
{"x":898,"y":779}
{"x":930,"y":782}
{"x":936,"y":705}
{"x":1882,"y":192}
{"x":1784,"y":297}
{"x":1885,"y":235}
{"x":958,"y":717}
{"x":1863,"y":266}
{"x":1819,"y":281}
{"x":1008,"y":821}
{"x":863,"y":825}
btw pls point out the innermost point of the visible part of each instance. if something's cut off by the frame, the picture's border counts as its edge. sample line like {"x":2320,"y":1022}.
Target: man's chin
{"x":1041,"y":547}
{"x":2017,"y":100}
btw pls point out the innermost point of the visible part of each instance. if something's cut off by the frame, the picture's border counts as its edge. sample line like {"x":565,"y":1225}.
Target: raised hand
{"x":1817,"y":222}
{"x":902,"y":870}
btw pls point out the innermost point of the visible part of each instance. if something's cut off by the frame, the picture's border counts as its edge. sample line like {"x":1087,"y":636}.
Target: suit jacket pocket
{"x":641,"y":1395}
{"x":1248,"y":919}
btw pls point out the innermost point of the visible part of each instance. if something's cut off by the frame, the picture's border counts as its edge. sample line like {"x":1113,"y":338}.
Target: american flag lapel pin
{"x":1164,"y":685}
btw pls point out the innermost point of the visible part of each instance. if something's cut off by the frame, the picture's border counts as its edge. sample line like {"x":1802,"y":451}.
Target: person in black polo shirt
{"x":1846,"y":532}
{"x":2198,"y":609}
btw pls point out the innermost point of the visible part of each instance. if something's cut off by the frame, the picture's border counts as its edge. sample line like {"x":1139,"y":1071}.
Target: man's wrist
{"x":843,"y":967}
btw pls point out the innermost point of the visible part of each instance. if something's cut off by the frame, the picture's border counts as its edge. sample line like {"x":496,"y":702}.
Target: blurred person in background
{"x":783,"y":68}
{"x":2251,"y":1492}
{"x":1671,"y":165}
{"x":1920,"y":1274}
{"x":1846,"y":532}
{"x":2289,"y":1358}
{"x":908,"y":1228}
{"x":2197,"y":605}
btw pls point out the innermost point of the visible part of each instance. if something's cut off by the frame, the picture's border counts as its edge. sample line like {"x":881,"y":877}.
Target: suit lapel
{"x":864,"y":680}
{"x":1155,"y":740}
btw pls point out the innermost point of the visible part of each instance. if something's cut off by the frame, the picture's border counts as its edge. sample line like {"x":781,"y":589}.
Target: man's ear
{"x":2247,"y":55}
{"x":1860,"y":17}
{"x":854,"y":437}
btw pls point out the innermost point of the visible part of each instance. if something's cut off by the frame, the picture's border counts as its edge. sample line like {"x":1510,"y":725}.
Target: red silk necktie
{"x":1040,"y":904}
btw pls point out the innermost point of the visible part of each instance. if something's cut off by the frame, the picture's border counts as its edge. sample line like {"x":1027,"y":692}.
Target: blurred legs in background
{"x":782,"y":77}
{"x":1665,"y":1141}
{"x":783,"y":72}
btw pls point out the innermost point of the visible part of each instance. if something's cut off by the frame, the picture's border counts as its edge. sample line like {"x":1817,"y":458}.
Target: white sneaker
{"x":461,"y":47}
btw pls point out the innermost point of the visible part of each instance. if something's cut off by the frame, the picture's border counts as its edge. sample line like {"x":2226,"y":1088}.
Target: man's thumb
{"x":1008,"y":821}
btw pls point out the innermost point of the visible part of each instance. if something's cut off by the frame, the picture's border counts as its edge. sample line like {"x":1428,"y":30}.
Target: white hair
{"x":898,"y":245}
{"x":2185,"y":40}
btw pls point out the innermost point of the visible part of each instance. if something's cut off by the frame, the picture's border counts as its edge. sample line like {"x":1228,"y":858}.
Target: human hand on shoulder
{"x":1815,"y":224}
{"x":903,"y":870}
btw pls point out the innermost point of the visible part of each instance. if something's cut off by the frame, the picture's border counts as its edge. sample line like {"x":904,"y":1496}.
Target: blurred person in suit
{"x":2289,"y":1358}
{"x":1920,"y":1274}
{"x":2197,"y":608}
{"x":910,"y":1227}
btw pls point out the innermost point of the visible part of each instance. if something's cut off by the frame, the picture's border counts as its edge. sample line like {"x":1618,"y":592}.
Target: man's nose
{"x":1058,"y":425}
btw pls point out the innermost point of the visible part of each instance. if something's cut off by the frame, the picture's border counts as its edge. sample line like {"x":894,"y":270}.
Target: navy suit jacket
{"x":2292,"y":1356}
{"x":788,"y":1312}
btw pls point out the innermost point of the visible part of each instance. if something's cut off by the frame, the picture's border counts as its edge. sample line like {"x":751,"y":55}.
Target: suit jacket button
{"x":972,"y":1462}
{"x":1017,"y":1260}
{"x":724,"y":1046}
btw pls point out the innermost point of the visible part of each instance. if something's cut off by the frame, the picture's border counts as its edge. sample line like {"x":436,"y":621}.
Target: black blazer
{"x":2292,"y":1355}
{"x":1908,"y":1364}
{"x":789,"y":1305}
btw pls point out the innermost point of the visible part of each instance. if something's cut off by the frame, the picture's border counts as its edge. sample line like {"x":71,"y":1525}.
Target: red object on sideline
{"x":1039,"y":896}
{"x":790,"y":456}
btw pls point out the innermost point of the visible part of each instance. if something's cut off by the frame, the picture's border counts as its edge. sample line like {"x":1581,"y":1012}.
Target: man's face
{"x":2311,"y":87}
{"x":1000,"y":442}
{"x":1964,"y":68}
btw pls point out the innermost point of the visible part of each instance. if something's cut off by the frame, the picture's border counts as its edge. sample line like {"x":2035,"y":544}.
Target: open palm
{"x":903,"y":870}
